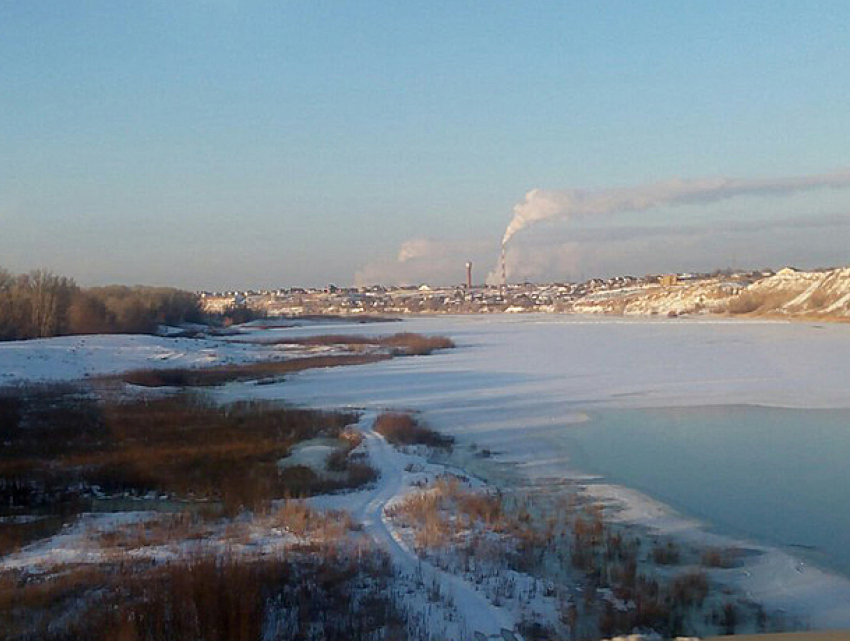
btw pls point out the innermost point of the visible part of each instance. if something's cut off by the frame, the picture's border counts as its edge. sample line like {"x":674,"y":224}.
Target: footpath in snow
{"x":476,"y":617}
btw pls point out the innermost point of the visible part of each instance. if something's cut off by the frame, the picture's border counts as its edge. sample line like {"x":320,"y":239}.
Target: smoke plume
{"x":416,"y":248}
{"x":542,"y":204}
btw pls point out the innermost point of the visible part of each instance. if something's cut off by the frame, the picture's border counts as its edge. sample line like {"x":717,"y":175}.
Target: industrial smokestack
{"x":469,"y":276}
{"x":504,"y":270}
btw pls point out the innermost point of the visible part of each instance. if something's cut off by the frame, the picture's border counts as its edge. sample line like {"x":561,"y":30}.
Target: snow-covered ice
{"x":515,"y":382}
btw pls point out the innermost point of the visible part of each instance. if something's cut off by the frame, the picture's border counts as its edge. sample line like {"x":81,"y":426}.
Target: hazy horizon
{"x":221,"y":144}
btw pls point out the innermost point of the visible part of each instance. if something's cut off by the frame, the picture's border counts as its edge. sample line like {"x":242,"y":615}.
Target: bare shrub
{"x":720,"y":558}
{"x":16,"y":533}
{"x":340,"y":460}
{"x":403,"y":429}
{"x":29,"y":603}
{"x":690,"y":588}
{"x":761,"y":302}
{"x":330,"y":595}
{"x":445,"y":510}
{"x":60,"y":445}
{"x":746,"y":302}
{"x":360,"y":474}
{"x":409,"y":344}
{"x":401,"y":344}
{"x":297,"y":517}
{"x":728,"y":618}
{"x":337,"y":461}
{"x":667,"y":554}
{"x":164,"y":529}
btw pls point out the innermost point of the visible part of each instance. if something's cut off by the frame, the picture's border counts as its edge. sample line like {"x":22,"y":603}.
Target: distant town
{"x":821,"y":293}
{"x":596,"y":294}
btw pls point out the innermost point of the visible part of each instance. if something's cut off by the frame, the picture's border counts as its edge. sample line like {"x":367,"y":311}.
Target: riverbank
{"x":515,"y":384}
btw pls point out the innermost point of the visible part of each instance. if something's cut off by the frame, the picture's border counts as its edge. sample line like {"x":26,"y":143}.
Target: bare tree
{"x":50,"y":297}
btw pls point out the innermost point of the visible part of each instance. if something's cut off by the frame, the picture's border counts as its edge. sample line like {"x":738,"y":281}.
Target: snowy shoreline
{"x":484,"y":395}
{"x":767,"y":363}
{"x":777,"y":580}
{"x":809,"y":597}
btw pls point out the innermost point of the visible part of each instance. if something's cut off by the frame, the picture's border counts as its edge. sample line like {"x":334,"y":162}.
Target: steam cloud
{"x":416,"y":248}
{"x":541,"y":204}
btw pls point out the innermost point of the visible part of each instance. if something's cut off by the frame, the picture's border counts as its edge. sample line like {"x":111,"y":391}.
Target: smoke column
{"x":542,"y":204}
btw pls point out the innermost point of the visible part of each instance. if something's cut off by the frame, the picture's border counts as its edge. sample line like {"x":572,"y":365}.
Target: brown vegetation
{"x":16,"y":531}
{"x":769,"y":302}
{"x":565,"y":542}
{"x":401,"y":344}
{"x":330,"y":594}
{"x":749,"y":302}
{"x":63,"y":447}
{"x":210,"y":376}
{"x":721,"y":558}
{"x":208,"y":531}
{"x":667,"y":554}
{"x":41,"y":304}
{"x":445,"y":511}
{"x":403,"y":429}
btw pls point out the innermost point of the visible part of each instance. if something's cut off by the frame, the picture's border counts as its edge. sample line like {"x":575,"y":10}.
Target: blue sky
{"x":222,"y":143}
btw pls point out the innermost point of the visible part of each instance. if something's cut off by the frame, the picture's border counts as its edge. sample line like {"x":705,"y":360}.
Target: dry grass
{"x":667,"y":554}
{"x":162,"y":530}
{"x":14,"y":535}
{"x":690,"y":588}
{"x":61,"y":449}
{"x":211,"y":376}
{"x":564,"y":542}
{"x":330,"y":594}
{"x":401,"y":344}
{"x":445,"y":511}
{"x":721,"y":558}
{"x":208,"y":531}
{"x":757,"y":302}
{"x":29,"y":603}
{"x":403,"y":429}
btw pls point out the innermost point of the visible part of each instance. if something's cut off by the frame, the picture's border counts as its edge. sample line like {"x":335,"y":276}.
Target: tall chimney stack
{"x":469,"y":276}
{"x":504,"y":270}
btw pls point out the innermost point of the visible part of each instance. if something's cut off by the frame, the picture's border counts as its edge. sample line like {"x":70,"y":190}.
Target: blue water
{"x":780,"y":476}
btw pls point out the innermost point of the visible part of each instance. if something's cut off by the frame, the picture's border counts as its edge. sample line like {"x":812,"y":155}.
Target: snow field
{"x":510,"y":385}
{"x":77,"y":357}
{"x":514,"y":382}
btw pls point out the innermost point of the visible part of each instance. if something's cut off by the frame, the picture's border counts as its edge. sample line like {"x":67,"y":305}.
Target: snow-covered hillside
{"x":706,"y":296}
{"x":823,"y":295}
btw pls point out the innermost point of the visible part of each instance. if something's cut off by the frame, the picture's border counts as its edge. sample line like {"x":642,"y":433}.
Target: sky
{"x":219,"y":144}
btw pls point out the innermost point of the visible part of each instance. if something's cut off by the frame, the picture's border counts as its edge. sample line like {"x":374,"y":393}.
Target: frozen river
{"x":743,"y":425}
{"x":774,"y":475}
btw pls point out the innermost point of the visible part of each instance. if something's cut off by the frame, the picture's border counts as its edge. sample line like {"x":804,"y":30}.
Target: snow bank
{"x":74,"y":357}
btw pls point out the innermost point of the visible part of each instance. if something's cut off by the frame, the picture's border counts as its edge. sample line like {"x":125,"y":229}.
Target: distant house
{"x":668,"y":280}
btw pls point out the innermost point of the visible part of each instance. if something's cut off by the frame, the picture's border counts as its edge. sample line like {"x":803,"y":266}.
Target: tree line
{"x":40,"y":304}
